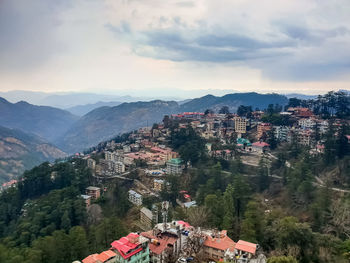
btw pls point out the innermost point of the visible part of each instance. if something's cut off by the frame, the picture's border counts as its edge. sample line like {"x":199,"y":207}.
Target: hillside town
{"x":146,"y":159}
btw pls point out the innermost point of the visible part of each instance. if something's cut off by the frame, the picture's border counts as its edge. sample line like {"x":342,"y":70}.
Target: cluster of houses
{"x":176,"y":240}
{"x":124,"y":156}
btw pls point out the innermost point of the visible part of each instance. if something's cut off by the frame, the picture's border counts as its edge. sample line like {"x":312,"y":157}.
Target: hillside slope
{"x":106,"y":122}
{"x":46,"y":122}
{"x":20,"y":151}
{"x":233,"y":101}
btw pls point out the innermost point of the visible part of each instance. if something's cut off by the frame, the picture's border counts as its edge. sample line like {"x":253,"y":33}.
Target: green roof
{"x":175,"y":161}
{"x":243,"y":141}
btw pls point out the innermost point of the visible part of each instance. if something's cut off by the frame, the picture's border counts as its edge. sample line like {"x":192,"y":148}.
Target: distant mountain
{"x":106,"y":122}
{"x":65,"y":100}
{"x":46,"y":122}
{"x":20,"y":151}
{"x":233,"y":101}
{"x":81,"y":110}
{"x":301,"y":96}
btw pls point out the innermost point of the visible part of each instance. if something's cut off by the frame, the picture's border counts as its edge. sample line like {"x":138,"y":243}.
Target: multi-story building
{"x":94,"y":192}
{"x":158,"y":184}
{"x":307,"y":123}
{"x":91,"y":163}
{"x":240,"y":124}
{"x":281,"y":133}
{"x":126,"y":148}
{"x":262,"y":129}
{"x":119,"y":167}
{"x":305,"y":137}
{"x":174,"y":166}
{"x":167,"y":239}
{"x":87,"y":200}
{"x":216,"y":244}
{"x":146,"y":217}
{"x":131,"y":249}
{"x":135,"y":197}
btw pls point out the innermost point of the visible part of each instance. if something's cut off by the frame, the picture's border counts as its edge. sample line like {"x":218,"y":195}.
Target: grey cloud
{"x":280,"y":56}
{"x":27,"y":32}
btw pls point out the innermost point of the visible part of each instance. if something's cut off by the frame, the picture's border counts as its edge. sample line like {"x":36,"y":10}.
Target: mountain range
{"x":44,"y":121}
{"x":20,"y":151}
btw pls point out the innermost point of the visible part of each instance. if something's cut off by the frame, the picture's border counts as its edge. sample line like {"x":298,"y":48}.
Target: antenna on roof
{"x":165,"y":207}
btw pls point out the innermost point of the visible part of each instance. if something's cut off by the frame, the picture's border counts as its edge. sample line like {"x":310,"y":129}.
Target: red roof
{"x":106,"y":255}
{"x":222,"y":243}
{"x":159,"y":244}
{"x":90,"y":259}
{"x":246,"y":246}
{"x":180,"y":222}
{"x":261,"y":144}
{"x":127,"y":246}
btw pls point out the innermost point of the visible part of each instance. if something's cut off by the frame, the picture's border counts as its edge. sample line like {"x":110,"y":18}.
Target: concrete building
{"x":131,"y":249}
{"x":174,"y":166}
{"x":306,"y":137}
{"x":281,"y":133}
{"x":216,"y":244}
{"x":94,"y":192}
{"x":87,"y":200}
{"x":158,"y":184}
{"x":263,"y":128}
{"x":119,"y":167}
{"x":146,"y":217}
{"x":244,"y":251}
{"x":135,"y":197}
{"x":167,"y":239}
{"x":307,"y":123}
{"x":240,"y":124}
{"x":91,"y":163}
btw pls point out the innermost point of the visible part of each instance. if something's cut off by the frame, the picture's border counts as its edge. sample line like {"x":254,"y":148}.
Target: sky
{"x":148,"y":46}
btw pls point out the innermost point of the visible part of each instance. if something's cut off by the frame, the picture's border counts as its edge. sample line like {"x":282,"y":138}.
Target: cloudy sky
{"x":111,"y":45}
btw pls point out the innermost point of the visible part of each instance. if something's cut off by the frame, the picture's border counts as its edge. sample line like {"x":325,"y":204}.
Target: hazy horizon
{"x":159,"y":48}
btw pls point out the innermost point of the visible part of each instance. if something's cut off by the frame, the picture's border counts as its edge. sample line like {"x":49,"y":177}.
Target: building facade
{"x":135,"y":197}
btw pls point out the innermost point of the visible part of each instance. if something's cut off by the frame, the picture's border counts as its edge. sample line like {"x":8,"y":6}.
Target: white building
{"x":119,"y":167}
{"x":135,"y":197}
{"x":307,"y":123}
{"x":281,"y":133}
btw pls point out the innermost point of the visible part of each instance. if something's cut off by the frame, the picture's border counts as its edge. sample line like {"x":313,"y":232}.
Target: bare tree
{"x":339,"y":223}
{"x":198,"y":216}
{"x":94,"y":214}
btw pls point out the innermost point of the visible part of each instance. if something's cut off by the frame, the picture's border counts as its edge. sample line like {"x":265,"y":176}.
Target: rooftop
{"x":92,"y":188}
{"x":106,"y":255}
{"x":175,"y":161}
{"x":246,"y":246}
{"x":223,"y":242}
{"x":127,"y":246}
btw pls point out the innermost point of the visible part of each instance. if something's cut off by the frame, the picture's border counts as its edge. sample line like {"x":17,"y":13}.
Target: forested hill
{"x":46,"y":122}
{"x":20,"y":151}
{"x":233,"y":101}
